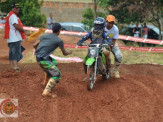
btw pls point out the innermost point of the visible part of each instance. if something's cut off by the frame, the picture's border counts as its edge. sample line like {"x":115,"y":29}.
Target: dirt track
{"x":136,"y":97}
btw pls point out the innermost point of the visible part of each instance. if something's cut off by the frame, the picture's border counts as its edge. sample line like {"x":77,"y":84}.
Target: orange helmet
{"x":110,"y":18}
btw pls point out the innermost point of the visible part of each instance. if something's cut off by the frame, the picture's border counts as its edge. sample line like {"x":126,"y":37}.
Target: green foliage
{"x":32,"y":14}
{"x":101,"y":14}
{"x":123,"y":16}
{"x":135,"y":11}
{"x":88,"y":13}
{"x":132,"y":10}
{"x":104,"y":3}
{"x":122,"y":13}
{"x":29,"y":13}
{"x":88,"y":16}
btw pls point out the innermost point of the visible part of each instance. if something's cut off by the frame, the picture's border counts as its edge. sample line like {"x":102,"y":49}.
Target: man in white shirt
{"x":112,"y":32}
{"x":14,"y":33}
{"x":51,"y":21}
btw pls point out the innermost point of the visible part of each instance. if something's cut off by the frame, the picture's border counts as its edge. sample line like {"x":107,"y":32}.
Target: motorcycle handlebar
{"x":97,"y":45}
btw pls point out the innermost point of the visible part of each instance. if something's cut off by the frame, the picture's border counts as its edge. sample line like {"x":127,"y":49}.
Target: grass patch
{"x":28,"y":57}
{"x":76,"y":52}
{"x":134,"y":44}
{"x":129,"y":57}
{"x":135,"y":57}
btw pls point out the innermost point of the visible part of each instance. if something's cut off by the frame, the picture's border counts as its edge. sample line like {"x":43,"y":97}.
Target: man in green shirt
{"x":46,"y":46}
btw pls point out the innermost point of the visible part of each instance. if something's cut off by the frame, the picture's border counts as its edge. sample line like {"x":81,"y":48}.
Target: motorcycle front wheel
{"x":91,"y":80}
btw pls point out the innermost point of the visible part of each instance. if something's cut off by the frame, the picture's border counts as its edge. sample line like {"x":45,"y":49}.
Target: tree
{"x":127,"y":11}
{"x":95,"y":8}
{"x":157,"y":15}
{"x":88,"y":16}
{"x":29,"y":13}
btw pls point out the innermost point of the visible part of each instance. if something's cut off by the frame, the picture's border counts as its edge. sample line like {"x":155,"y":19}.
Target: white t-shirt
{"x":49,"y":22}
{"x":14,"y":35}
{"x":136,"y":34}
{"x":113,"y":33}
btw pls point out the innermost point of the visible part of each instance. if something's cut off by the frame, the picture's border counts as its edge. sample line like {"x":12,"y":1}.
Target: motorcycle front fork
{"x":86,"y":68}
{"x":95,"y":68}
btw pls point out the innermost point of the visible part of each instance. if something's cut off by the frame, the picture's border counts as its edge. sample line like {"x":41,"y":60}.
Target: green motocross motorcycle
{"x":96,"y":64}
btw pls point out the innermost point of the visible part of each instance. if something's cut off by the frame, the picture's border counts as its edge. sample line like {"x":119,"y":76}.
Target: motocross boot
{"x":116,"y":68}
{"x":48,"y":94}
{"x":108,"y":69}
{"x":108,"y":65}
{"x":50,"y":85}
{"x":108,"y":73}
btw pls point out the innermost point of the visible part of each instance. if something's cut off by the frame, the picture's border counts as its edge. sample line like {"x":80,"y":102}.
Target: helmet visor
{"x":98,"y":26}
{"x":97,"y":32}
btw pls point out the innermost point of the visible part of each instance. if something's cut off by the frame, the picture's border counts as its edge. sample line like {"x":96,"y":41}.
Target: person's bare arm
{"x":113,"y":41}
{"x":35,"y":45}
{"x":18,"y":28}
{"x":66,"y":52}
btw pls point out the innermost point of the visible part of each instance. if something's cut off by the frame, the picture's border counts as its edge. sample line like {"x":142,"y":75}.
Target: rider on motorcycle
{"x":97,"y":36}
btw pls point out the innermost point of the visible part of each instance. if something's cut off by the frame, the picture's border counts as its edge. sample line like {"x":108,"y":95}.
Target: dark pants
{"x":14,"y":50}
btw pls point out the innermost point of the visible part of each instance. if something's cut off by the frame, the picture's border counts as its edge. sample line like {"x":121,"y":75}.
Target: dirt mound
{"x":136,"y":96}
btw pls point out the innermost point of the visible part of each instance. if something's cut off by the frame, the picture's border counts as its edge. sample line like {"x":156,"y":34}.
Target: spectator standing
{"x":14,"y":33}
{"x":145,"y":31}
{"x":136,"y":31}
{"x":51,"y":21}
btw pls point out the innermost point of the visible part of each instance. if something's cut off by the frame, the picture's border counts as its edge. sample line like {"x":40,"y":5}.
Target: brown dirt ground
{"x":136,"y":97}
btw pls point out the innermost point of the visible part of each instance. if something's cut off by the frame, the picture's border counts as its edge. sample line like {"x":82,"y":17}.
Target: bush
{"x":29,"y":13}
{"x":88,"y":16}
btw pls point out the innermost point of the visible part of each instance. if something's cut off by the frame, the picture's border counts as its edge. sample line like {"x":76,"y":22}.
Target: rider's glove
{"x":79,"y":43}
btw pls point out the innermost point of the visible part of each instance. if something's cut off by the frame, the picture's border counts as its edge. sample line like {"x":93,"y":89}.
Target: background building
{"x":66,"y":10}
